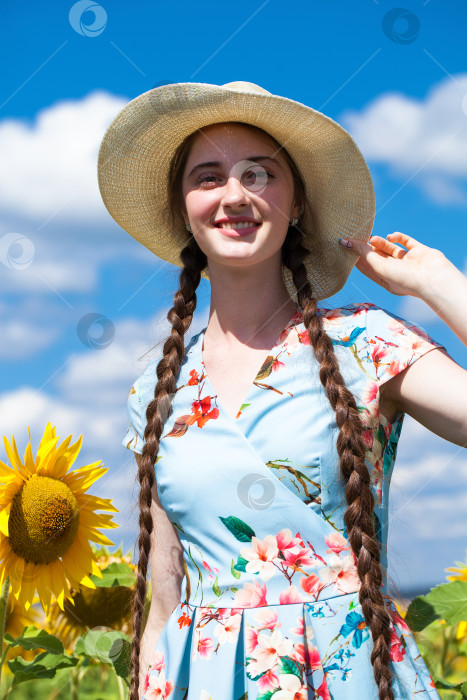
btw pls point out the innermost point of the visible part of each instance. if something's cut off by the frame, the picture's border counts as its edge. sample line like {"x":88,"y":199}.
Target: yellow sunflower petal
{"x":96,"y":536}
{"x":43,"y":584}
{"x":28,"y":585}
{"x":4,"y":516}
{"x":5,"y":470}
{"x":12,"y":453}
{"x":74,"y":569}
{"x":59,"y":582}
{"x":84,"y":477}
{"x":46,"y":455}
{"x":92,"y":503}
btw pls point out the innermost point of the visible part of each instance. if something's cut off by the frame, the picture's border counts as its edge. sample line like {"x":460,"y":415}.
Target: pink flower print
{"x":299,"y":630}
{"x":291,"y":688}
{"x":260,"y":556}
{"x":290,"y":595}
{"x":368,"y":437}
{"x":251,"y":638}
{"x":398,"y":620}
{"x":342,"y":573}
{"x":270,"y":648}
{"x":202,"y":645}
{"x":313,"y":657}
{"x":225,"y":613}
{"x":267,"y":619}
{"x":323,"y":691}
{"x":268,"y":682}
{"x":228,"y":631}
{"x":378,"y":353}
{"x":157,"y":661}
{"x":298,"y":653}
{"x":300,"y":558}
{"x":311,"y":584}
{"x":396,"y":326}
{"x":397,"y":650}
{"x":158,"y":687}
{"x":336,"y":543}
{"x":303,"y":337}
{"x":285,"y":541}
{"x":333,"y":316}
{"x":252,"y":595}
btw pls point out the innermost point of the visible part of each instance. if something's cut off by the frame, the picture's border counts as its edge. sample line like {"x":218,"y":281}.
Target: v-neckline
{"x":290,"y":323}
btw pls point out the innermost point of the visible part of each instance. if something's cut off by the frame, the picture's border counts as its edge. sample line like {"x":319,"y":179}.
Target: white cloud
{"x":49,"y":168}
{"x":417,"y":311}
{"x":408,"y":134}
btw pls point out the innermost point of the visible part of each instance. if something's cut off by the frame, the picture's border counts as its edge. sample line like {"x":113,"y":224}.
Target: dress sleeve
{"x":394,"y":343}
{"x":133,"y":439}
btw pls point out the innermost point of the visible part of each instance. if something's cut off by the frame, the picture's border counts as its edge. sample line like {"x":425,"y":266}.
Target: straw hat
{"x":137,"y":148}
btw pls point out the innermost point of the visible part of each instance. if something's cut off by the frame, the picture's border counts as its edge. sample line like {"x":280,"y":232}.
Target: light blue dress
{"x":269,"y":605}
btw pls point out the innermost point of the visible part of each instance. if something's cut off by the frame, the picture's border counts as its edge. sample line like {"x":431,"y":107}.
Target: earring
{"x":294,"y":221}
{"x":188,"y":228}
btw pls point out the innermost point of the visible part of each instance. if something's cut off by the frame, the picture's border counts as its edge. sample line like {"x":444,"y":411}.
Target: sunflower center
{"x":44,"y":520}
{"x":100,"y":606}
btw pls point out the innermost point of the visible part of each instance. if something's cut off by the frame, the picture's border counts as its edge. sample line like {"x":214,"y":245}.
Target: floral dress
{"x":269,"y":606}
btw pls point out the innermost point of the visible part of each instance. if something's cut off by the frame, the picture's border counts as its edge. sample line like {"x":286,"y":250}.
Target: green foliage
{"x":437,"y":622}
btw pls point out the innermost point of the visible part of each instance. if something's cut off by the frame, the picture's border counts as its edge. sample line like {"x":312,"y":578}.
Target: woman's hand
{"x":397,"y":270}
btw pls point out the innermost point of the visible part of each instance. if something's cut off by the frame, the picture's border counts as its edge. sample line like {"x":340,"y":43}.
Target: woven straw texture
{"x":138,"y":146}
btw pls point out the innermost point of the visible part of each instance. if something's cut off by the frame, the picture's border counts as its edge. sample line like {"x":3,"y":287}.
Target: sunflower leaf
{"x":33,"y":638}
{"x":115,"y":574}
{"x":108,"y":647}
{"x":45,"y":665}
{"x":449,"y":601}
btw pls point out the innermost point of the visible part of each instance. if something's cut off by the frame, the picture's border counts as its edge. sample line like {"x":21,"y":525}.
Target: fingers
{"x":388,"y":247}
{"x":405,"y":240}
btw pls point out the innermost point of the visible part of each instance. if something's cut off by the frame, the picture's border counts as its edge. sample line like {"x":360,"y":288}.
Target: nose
{"x":234,"y":194}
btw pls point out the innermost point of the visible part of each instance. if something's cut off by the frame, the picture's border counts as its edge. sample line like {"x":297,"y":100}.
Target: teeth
{"x":240,"y":224}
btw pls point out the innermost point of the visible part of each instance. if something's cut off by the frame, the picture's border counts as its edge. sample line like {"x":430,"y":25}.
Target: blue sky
{"x":396,"y":79}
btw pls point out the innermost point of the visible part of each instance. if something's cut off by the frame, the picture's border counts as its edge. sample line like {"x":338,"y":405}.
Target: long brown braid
{"x":358,"y":517}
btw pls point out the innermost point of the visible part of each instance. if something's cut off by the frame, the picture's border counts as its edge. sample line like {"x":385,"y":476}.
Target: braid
{"x":158,"y":410}
{"x":358,"y":517}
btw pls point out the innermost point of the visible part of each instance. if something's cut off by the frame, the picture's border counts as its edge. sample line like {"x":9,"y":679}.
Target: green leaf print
{"x":288,"y":665}
{"x":215,"y":588}
{"x":240,"y":565}
{"x":240,"y":530}
{"x":265,"y":696}
{"x":233,"y":570}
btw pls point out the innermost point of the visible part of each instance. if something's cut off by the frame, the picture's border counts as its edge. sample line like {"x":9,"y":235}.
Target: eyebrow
{"x":216,"y":163}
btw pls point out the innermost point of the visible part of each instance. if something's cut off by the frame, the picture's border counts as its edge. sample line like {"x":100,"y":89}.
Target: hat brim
{"x":138,"y":146}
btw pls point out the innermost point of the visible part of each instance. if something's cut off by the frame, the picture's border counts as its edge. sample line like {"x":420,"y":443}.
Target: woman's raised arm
{"x":433,"y":390}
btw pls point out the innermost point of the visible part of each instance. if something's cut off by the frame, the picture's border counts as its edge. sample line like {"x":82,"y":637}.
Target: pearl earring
{"x":188,"y":228}
{"x":294,"y":221}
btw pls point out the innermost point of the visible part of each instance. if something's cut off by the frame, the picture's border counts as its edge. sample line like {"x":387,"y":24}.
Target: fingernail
{"x":345,"y":242}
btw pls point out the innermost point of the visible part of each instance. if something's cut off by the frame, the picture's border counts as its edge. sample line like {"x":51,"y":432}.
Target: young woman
{"x":265,"y":445}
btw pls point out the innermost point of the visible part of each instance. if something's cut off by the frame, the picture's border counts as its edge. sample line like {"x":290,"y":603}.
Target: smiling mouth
{"x":237,"y":225}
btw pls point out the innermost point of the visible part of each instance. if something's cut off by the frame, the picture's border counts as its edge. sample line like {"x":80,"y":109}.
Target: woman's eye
{"x":257,"y":179}
{"x":206,"y":178}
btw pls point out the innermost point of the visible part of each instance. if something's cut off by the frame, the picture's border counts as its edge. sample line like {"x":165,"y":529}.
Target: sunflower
{"x":99,"y":607}
{"x":47,"y":520}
